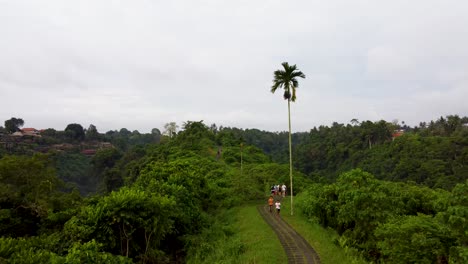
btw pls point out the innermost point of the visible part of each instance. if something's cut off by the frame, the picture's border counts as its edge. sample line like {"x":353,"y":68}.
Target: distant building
{"x":17,"y":134}
{"x":397,"y":133}
{"x":30,"y":132}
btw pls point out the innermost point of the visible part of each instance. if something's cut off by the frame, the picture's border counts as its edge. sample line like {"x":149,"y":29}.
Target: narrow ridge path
{"x":297,"y":249}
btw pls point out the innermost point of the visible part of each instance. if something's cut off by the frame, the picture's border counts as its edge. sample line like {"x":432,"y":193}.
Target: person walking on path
{"x":283,"y":189}
{"x":278,"y":207}
{"x":270,"y":202}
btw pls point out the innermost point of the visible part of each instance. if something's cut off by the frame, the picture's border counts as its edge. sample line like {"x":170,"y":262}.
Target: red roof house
{"x":397,"y":133}
{"x":29,"y":131}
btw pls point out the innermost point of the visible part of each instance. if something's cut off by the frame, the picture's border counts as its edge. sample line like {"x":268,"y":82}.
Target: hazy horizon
{"x":180,"y":126}
{"x":141,"y":64}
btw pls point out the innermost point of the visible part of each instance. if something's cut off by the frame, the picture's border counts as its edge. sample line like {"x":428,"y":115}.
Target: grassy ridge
{"x":262,"y":244}
{"x":240,"y":235}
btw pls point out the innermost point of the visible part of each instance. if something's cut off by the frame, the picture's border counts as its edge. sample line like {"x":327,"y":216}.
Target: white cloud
{"x":140,"y":64}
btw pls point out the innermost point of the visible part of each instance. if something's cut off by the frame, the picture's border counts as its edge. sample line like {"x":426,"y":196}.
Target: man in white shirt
{"x":278,"y":207}
{"x":283,"y":190}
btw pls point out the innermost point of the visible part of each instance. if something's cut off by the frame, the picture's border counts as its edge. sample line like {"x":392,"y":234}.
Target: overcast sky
{"x":140,"y":64}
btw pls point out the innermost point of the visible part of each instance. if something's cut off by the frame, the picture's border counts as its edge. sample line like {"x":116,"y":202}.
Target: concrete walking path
{"x":297,"y":249}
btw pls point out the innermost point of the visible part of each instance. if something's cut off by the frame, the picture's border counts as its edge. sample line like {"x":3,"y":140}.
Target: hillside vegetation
{"x":434,"y":154}
{"x":158,"y":201}
{"x":177,"y":199}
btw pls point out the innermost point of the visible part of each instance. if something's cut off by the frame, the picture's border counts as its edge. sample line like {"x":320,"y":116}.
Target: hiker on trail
{"x":270,"y":202}
{"x":278,"y":207}
{"x":272,"y":190}
{"x":283,"y":189}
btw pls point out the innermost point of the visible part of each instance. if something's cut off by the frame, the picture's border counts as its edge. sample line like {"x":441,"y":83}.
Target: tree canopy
{"x":287,"y":79}
{"x":75,"y":132}
{"x":13,"y":124}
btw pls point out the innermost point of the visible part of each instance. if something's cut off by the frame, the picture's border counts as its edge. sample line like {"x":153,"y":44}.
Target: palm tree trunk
{"x":290,"y":155}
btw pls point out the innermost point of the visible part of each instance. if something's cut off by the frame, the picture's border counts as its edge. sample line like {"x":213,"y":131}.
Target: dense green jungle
{"x":162,"y":197}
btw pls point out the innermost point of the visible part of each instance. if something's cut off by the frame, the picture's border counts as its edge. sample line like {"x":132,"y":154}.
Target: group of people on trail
{"x":277,"y":204}
{"x":278,"y":190}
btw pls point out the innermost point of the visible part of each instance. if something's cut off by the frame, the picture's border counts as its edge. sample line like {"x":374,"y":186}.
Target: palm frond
{"x":297,"y":74}
{"x":278,"y":80}
{"x":287,"y":79}
{"x":275,"y":86}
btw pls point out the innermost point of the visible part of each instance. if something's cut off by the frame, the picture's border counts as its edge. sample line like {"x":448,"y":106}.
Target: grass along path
{"x":262,"y":244}
{"x":297,"y":249}
{"x":240,"y":235}
{"x":318,"y":237}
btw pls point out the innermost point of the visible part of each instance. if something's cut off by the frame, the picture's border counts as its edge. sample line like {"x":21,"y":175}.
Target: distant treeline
{"x":123,"y":139}
{"x":434,"y":154}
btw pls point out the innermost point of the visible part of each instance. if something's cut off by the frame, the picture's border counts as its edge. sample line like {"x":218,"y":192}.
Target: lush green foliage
{"x":391,"y":221}
{"x":434,"y":154}
{"x":76,"y":170}
{"x":75,"y":132}
{"x":29,"y":194}
{"x":435,"y":161}
{"x":44,"y":250}
{"x":161,"y":203}
{"x":128,"y":222}
{"x":415,"y":239}
{"x":323,"y":240}
{"x":173,"y":192}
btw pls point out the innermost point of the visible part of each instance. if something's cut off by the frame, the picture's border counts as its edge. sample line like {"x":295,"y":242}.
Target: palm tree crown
{"x":287,"y":79}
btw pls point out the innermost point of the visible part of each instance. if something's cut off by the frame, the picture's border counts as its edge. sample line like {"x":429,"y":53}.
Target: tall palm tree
{"x":287,"y":79}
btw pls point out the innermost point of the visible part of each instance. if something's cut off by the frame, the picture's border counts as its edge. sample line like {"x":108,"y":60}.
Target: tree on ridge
{"x":75,"y":132}
{"x":287,"y":79}
{"x":13,"y":124}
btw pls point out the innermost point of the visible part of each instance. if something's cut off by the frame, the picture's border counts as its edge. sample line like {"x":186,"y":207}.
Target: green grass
{"x":262,"y":244}
{"x":318,"y":237}
{"x":239,"y":235}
